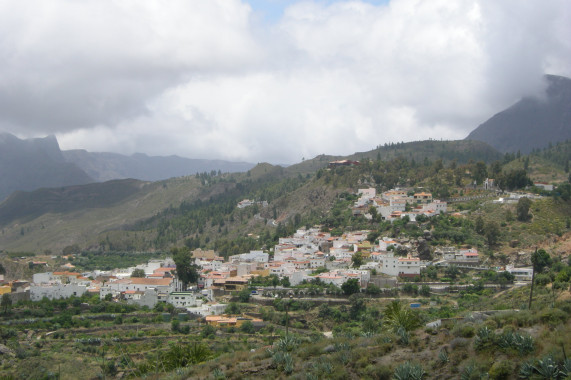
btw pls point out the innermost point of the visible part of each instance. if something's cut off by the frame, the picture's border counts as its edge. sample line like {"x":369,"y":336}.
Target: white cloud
{"x":206,"y":79}
{"x":69,"y":65}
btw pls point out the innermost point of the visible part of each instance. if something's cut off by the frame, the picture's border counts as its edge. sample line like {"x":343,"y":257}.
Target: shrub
{"x":553,"y":316}
{"x":542,"y":279}
{"x":208,"y":332}
{"x":459,"y":343}
{"x":464,"y":330}
{"x":380,"y":372}
{"x":247,"y":327}
{"x":501,"y":370}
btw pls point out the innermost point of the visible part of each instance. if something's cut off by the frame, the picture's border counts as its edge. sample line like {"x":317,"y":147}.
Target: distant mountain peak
{"x":34,"y":163}
{"x":533,"y":122}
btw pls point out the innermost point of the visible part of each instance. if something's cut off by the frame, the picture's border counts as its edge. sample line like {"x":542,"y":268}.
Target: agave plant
{"x":408,"y":371}
{"x":506,"y":340}
{"x":386,"y":339}
{"x":524,"y":344}
{"x":368,"y":334}
{"x":485,"y":334}
{"x":470,"y":372}
{"x":403,"y":336}
{"x":322,"y":367}
{"x":566,"y":367}
{"x":344,"y":357}
{"x":181,"y":355}
{"x":484,"y":338}
{"x":288,"y":364}
{"x":547,"y":368}
{"x":526,"y":370}
{"x":289,"y":343}
{"x":218,"y":374}
{"x":342,"y":346}
{"x":443,"y":357}
{"x":280,"y":358}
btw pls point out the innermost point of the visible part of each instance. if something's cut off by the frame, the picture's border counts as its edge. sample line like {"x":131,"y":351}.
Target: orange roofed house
{"x":163,"y":286}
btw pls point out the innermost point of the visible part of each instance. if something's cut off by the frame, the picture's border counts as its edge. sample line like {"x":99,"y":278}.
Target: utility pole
{"x":287,"y":314}
{"x":533,"y":258}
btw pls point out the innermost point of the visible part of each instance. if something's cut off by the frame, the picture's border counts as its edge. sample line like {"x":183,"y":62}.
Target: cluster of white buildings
{"x":56,"y":285}
{"x":295,"y":258}
{"x":159,"y":285}
{"x":392,"y":204}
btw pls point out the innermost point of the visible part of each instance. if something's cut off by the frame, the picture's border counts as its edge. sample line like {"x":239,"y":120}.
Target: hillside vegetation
{"x":200,"y":211}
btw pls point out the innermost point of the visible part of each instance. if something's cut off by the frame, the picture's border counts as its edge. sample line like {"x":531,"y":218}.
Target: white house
{"x":184,"y":299}
{"x":365,"y":196}
{"x":257,"y":256}
{"x":163,"y":286}
{"x":332,"y":278}
{"x":316,"y":262}
{"x":148,"y":298}
{"x":386,"y":242}
{"x":56,"y":291}
{"x":208,"y":309}
{"x":43,"y":278}
{"x":245,"y":203}
{"x":543,"y":185}
{"x":436,"y":205}
{"x":520,"y":274}
{"x":399,"y":266}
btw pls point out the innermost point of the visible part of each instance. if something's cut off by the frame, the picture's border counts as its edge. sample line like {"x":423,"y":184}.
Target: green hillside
{"x":67,"y":223}
{"x":200,"y":211}
{"x":460,"y":151}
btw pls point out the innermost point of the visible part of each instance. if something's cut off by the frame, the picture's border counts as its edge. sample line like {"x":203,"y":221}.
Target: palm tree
{"x":398,"y":316}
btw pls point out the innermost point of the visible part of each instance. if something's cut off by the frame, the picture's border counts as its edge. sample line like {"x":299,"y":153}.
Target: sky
{"x":270,"y":80}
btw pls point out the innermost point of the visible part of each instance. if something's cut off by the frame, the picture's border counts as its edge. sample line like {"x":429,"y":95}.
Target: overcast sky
{"x":269,"y":80}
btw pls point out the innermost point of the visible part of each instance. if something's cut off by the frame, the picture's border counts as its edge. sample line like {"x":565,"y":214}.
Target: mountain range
{"x":34,"y":163}
{"x":31,"y":164}
{"x":108,"y":166}
{"x":531,"y":123}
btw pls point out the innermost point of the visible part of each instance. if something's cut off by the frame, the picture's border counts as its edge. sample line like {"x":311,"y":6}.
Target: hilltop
{"x":460,"y":151}
{"x":533,"y":122}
